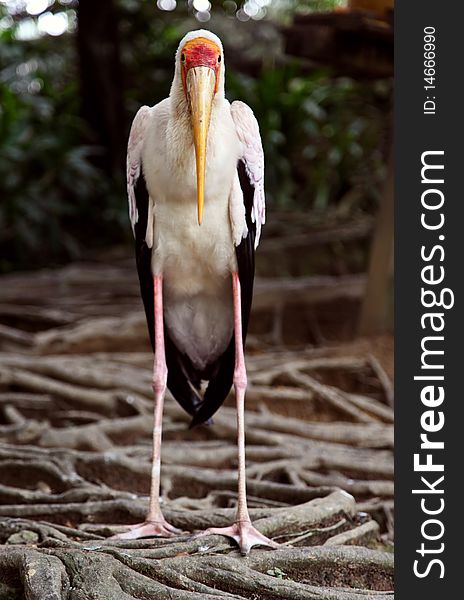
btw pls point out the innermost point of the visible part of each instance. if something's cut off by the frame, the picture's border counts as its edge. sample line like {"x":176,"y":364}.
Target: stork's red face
{"x":200,"y":60}
{"x":200,"y":52}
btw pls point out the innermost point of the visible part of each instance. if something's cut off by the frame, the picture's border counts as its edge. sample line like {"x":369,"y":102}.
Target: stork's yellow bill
{"x":201,"y":62}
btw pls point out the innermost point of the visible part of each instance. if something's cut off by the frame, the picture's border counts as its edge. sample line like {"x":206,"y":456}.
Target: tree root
{"x":75,"y":450}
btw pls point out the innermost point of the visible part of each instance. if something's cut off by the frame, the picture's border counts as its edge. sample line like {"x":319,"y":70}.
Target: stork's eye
{"x":182,"y":58}
{"x":219,"y":58}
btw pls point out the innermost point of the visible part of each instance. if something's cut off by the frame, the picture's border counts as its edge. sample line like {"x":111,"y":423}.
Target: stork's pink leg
{"x":155,"y":524}
{"x":242,"y":530}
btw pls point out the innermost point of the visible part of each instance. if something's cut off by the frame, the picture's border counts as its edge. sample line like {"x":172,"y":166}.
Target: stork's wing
{"x":134,"y":162}
{"x":182,"y":380}
{"x":250,"y":184}
{"x":139,"y":211}
{"x":253,"y":159}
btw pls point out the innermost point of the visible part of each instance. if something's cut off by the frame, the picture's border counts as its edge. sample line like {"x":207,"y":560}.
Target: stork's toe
{"x":159,"y":528}
{"x":244,"y":533}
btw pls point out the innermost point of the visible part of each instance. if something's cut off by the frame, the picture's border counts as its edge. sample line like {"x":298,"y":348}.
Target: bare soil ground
{"x":75,"y":427}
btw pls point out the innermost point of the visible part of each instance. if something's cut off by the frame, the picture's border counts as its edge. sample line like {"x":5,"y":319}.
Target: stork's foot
{"x":243,"y":533}
{"x":158,"y":528}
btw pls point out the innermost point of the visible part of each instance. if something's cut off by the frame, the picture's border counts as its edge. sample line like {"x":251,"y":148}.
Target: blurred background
{"x":73,"y":74}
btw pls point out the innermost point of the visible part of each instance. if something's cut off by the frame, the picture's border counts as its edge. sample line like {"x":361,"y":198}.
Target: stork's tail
{"x":218,"y":388}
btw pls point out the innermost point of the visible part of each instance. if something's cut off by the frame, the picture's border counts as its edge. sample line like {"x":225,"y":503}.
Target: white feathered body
{"x":196,"y":260}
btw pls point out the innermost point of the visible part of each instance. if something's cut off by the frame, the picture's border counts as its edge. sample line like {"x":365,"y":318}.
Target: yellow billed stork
{"x":195,"y":177}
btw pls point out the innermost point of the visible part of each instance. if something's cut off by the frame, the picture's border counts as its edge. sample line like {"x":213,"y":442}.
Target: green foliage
{"x":322,"y":135}
{"x":285,"y":10}
{"x":276,"y":572}
{"x":149,"y":41}
{"x":52,"y":195}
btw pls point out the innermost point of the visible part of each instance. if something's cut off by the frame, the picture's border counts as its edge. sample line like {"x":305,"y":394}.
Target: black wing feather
{"x":221,"y":382}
